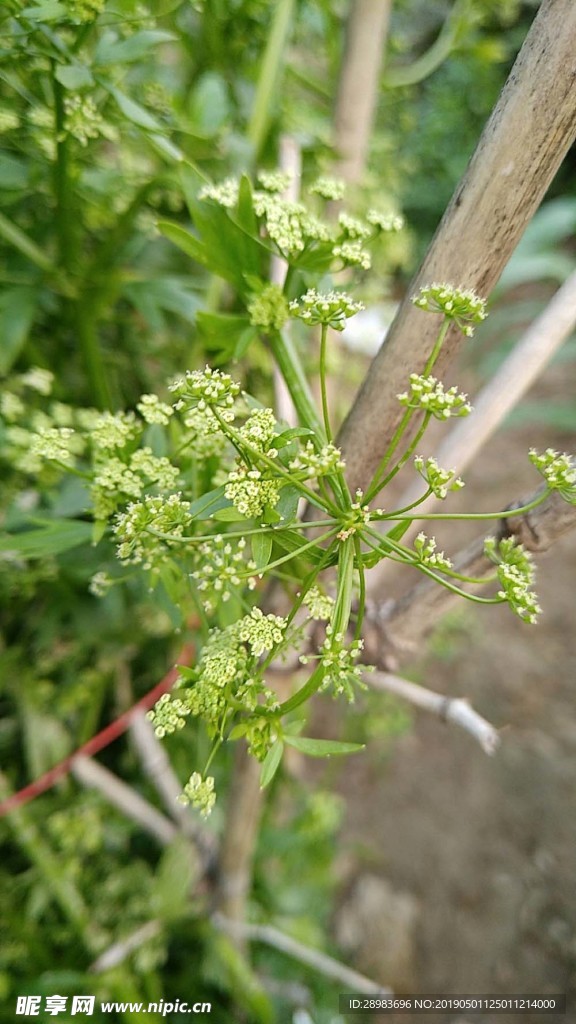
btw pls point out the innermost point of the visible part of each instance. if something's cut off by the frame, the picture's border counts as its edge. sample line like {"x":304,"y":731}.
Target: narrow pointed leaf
{"x":271,"y":763}
{"x":322,"y":748}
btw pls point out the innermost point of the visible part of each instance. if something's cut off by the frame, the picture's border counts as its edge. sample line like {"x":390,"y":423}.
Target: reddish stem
{"x":98,"y":742}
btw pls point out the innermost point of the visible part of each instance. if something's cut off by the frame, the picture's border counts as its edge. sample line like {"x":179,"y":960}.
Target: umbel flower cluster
{"x":294,"y":229}
{"x":203,"y":489}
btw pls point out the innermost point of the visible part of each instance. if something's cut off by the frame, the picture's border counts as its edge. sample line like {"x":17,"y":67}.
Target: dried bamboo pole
{"x":357,"y":95}
{"x":523,"y":144}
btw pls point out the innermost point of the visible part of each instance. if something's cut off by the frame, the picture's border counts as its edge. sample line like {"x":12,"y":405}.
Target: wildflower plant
{"x":202,"y":488}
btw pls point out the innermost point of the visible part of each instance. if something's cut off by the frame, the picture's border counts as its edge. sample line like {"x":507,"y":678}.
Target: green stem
{"x":381,"y":517}
{"x":503,"y":514}
{"x":298,"y":601}
{"x":63,"y":190}
{"x":293,"y":554}
{"x":271,"y":69}
{"x":408,"y":557}
{"x":409,"y":413}
{"x":325,"y":411}
{"x":437,"y":346}
{"x":379,"y":485}
{"x":362,"y":593}
{"x":273,"y":528}
{"x":289,"y":364}
{"x":341,"y":616}
{"x":87,"y":330}
{"x":242,"y":445}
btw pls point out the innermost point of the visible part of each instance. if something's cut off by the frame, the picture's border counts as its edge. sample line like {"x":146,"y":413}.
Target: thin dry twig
{"x":124,"y":798}
{"x":321,"y":962}
{"x":451,"y":709}
{"x":157,"y":767}
{"x":122,"y":949}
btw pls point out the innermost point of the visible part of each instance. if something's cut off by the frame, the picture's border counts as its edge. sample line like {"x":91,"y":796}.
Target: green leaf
{"x":209,"y":106}
{"x":221,"y":331}
{"x":111,"y":50}
{"x":14,"y":173}
{"x":133,"y":111}
{"x":209,"y":503}
{"x":271,"y":763}
{"x":230,"y":514}
{"x":261,"y":548}
{"x":17,"y":310}
{"x":186,"y":241}
{"x":174,"y":877}
{"x":238,"y":732}
{"x":322,"y":748}
{"x":398,"y":531}
{"x":165,"y":147}
{"x":192,"y":180}
{"x":244,"y":342}
{"x":287,"y":504}
{"x":281,"y":440}
{"x":292,"y":541}
{"x":152,"y":298}
{"x":52,"y":537}
{"x":46,"y":10}
{"x":74,"y":76}
{"x":245,"y":216}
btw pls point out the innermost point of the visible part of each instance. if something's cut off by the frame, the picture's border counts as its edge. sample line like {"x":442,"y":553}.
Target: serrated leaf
{"x":52,"y":537}
{"x":322,"y":748}
{"x":271,"y":763}
{"x":261,"y":548}
{"x":74,"y":76}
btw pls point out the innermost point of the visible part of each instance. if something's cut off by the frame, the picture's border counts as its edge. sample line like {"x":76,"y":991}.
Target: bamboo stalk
{"x":524,"y":142}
